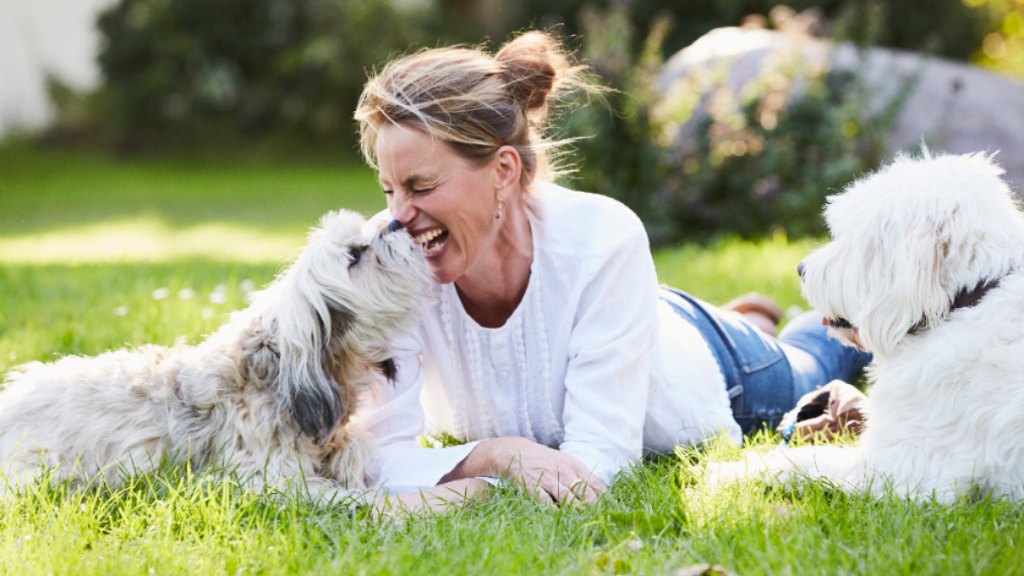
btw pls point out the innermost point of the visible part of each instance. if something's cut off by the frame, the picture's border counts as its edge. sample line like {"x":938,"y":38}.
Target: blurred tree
{"x":196,"y":70}
{"x":199,"y":69}
{"x":945,"y":27}
{"x":1002,"y":44}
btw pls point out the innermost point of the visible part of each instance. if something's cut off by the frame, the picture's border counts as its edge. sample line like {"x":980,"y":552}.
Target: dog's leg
{"x":332,"y":474}
{"x":842,"y":466}
{"x":342,"y":479}
{"x":349,"y":454}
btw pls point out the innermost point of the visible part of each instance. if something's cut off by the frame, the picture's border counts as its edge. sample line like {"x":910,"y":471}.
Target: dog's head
{"x":906,"y":241}
{"x":330,"y":317}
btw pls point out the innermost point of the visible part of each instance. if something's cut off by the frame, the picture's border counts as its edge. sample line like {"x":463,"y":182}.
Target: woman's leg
{"x":765,"y":376}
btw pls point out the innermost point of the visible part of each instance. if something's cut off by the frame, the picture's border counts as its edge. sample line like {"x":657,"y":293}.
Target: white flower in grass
{"x":206,"y":313}
{"x":161,"y":293}
{"x":121,"y":311}
{"x":186,"y":294}
{"x":13,"y":356}
{"x":219,"y":294}
{"x":248,"y":287}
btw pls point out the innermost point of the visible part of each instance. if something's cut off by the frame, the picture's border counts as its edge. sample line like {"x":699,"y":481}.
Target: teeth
{"x":428,"y":236}
{"x":424,"y":240}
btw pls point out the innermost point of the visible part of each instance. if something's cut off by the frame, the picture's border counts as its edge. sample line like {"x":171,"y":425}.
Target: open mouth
{"x":432,"y":241}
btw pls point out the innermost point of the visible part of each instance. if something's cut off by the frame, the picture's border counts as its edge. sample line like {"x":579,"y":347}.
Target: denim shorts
{"x":766,"y":375}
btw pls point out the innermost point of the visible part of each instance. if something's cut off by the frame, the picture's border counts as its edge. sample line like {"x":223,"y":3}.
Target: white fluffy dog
{"x":268,"y":395}
{"x":925,"y":270}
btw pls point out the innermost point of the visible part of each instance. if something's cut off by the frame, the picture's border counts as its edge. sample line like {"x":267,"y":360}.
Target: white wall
{"x":40,"y":36}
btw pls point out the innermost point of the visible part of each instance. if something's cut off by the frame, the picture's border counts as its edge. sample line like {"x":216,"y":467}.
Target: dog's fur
{"x":267,"y":396}
{"x":945,"y":412}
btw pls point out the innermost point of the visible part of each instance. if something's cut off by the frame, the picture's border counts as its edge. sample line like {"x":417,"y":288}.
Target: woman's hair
{"x":473,"y":101}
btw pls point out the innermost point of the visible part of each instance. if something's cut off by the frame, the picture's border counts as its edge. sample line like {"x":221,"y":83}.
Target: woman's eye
{"x":388,"y":192}
{"x":421,"y":191}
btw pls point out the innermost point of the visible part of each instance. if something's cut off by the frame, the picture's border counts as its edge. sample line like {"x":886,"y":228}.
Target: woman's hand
{"x":546,"y":472}
{"x":439,"y":499}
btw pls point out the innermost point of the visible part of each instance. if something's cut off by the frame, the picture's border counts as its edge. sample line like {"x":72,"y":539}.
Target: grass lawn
{"x":97,"y":253}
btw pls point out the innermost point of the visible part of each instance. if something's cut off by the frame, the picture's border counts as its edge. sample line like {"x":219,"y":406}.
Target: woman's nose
{"x":401,"y":208}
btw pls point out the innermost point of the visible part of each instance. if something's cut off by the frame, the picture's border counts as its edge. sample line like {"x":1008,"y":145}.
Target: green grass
{"x":655,"y":520}
{"x":62,"y":206}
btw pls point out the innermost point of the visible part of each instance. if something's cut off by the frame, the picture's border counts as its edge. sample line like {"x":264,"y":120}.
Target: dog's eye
{"x":839,"y":323}
{"x":354,"y":254}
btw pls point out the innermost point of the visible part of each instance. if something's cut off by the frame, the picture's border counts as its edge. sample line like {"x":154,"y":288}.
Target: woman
{"x":548,"y":342}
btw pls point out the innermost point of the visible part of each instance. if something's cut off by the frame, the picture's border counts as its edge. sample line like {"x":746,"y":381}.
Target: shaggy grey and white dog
{"x":925,"y":269}
{"x":268,"y":395}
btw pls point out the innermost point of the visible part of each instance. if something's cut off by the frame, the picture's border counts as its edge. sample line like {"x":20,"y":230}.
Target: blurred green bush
{"x":761,"y":161}
{"x":195,"y":70}
{"x":223,"y":74}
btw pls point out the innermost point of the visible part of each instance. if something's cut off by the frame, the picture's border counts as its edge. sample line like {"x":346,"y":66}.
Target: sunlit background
{"x":179,"y":128}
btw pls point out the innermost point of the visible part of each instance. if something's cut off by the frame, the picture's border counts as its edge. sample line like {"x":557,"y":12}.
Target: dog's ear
{"x":306,"y":382}
{"x":916,"y":295}
{"x":310,"y":324}
{"x":919,"y":257}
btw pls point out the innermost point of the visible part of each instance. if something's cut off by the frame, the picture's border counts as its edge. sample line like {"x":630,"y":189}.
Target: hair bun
{"x":531,"y":66}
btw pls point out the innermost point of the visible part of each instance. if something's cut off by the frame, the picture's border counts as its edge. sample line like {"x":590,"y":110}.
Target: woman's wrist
{"x":478,"y":463}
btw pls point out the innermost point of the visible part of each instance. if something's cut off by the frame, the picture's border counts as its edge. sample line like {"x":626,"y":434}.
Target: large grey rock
{"x":951,"y":107}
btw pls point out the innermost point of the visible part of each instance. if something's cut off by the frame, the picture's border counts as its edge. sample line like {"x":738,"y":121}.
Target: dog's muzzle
{"x":837,"y":323}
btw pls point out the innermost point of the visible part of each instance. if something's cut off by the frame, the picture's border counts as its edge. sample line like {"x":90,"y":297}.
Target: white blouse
{"x":574,"y":367}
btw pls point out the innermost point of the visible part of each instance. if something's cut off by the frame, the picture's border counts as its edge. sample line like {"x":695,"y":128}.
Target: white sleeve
{"x":608,"y":375}
{"x":394,"y":415}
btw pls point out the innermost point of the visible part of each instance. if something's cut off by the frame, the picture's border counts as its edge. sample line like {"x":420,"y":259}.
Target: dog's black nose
{"x":394,"y":226}
{"x":800,"y":269}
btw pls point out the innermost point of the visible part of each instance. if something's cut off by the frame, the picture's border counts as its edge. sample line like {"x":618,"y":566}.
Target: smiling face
{"x":446,"y":202}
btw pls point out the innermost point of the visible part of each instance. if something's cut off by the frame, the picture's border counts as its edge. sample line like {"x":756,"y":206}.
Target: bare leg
{"x":758,"y":309}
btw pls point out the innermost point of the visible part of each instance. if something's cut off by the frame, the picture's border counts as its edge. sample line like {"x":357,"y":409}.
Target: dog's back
{"x":84,"y":417}
{"x":947,"y":411}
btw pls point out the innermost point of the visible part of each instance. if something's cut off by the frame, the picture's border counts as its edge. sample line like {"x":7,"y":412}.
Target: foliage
{"x":195,"y":69}
{"x":1002,"y":48}
{"x":703,"y":158}
{"x":943,"y":27}
{"x":220,"y":72}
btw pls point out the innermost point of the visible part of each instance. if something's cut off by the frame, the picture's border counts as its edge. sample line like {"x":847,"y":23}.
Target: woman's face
{"x":446,"y":202}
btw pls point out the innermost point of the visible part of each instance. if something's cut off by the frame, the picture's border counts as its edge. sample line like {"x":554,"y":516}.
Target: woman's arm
{"x":614,"y":331}
{"x":393,"y":414}
{"x":439,"y":499}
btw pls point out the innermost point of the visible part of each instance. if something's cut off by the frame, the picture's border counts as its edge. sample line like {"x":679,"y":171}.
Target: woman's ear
{"x":508,"y":167}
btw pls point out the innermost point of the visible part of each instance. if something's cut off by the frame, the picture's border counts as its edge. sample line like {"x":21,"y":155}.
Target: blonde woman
{"x":549,"y":345}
